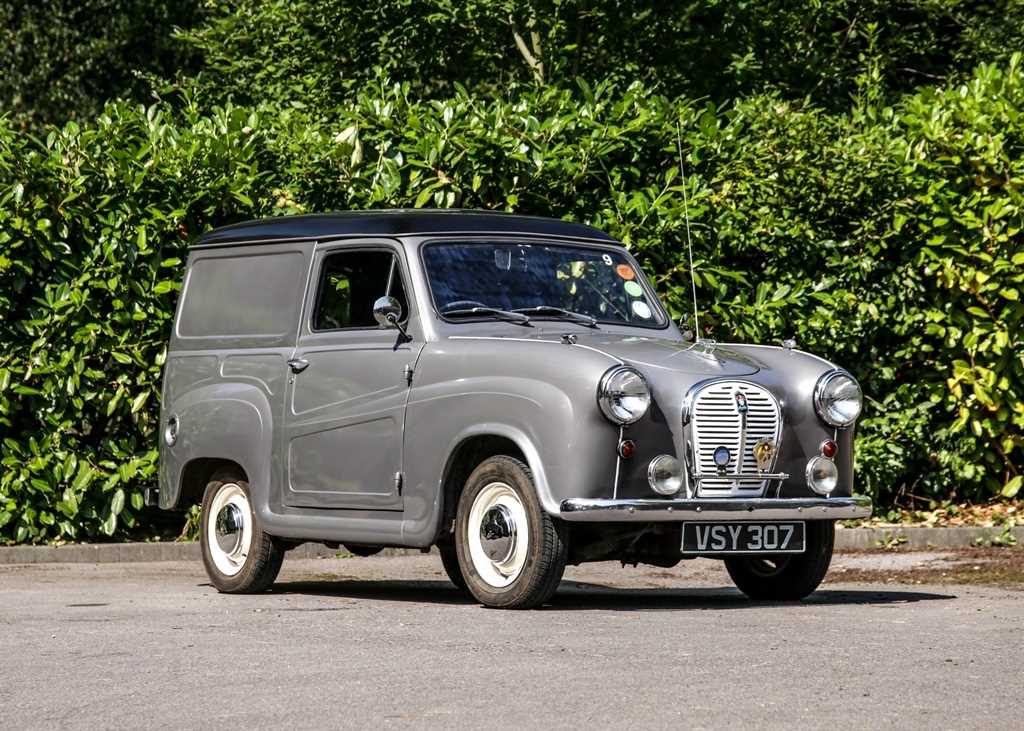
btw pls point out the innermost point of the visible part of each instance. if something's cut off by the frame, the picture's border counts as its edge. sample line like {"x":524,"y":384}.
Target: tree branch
{"x":532,"y":57}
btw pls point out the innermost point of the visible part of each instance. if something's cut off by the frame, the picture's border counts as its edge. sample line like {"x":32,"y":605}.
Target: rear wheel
{"x":239,"y":557}
{"x":511,"y":553}
{"x":786,"y":577}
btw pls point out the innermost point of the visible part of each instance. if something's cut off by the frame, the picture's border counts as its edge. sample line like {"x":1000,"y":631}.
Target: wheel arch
{"x":199,"y":472}
{"x":471,"y":448}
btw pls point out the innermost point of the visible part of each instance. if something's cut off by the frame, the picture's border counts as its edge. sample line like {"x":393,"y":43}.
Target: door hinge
{"x":407,"y":372}
{"x":398,"y":482}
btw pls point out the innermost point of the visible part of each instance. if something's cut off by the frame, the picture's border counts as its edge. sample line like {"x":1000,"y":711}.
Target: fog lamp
{"x":721,"y":456}
{"x":822,"y":475}
{"x":665,"y":474}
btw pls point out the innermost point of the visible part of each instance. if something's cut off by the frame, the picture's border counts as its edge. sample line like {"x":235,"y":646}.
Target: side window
{"x":241,"y":296}
{"x":350,"y":282}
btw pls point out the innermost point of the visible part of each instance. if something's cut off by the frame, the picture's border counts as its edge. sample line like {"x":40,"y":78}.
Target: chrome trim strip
{"x":735,"y":509}
{"x":745,"y":477}
{"x":618,"y":361}
{"x":618,"y":465}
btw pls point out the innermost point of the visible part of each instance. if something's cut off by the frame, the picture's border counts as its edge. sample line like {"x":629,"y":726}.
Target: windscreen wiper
{"x":495,"y":312}
{"x":560,"y":313}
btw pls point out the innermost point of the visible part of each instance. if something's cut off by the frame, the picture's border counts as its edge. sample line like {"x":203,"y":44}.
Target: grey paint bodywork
{"x":349,"y":450}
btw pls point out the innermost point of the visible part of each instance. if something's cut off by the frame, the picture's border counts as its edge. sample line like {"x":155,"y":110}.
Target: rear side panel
{"x":224,"y":380}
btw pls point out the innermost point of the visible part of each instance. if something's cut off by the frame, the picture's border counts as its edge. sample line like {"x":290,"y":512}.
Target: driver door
{"x":347,"y":392}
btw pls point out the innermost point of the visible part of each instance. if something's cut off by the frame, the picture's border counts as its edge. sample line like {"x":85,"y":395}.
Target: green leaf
{"x":83,"y":478}
{"x":1011,"y":488}
{"x":423,"y":197}
{"x":139,"y":401}
{"x":117,"y":502}
{"x":109,"y":524}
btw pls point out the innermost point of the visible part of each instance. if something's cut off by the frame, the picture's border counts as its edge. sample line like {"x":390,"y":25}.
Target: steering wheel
{"x":461,"y":305}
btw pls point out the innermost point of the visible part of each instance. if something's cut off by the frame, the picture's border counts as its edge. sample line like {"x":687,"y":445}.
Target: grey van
{"x":505,"y":388}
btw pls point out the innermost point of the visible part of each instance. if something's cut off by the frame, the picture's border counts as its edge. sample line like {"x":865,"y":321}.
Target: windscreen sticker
{"x":634,"y":289}
{"x":641,"y":309}
{"x":626,"y":272}
{"x":607,"y":259}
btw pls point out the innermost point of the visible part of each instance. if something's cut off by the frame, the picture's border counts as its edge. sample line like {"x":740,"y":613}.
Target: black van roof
{"x":396,"y":222}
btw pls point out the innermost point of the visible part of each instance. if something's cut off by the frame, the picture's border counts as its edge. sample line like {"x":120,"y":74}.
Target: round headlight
{"x":837,"y":398}
{"x":623,"y":395}
{"x":822,"y":475}
{"x":665,"y":474}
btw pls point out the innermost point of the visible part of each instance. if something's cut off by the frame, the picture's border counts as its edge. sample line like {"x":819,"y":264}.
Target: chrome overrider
{"x":709,"y":509}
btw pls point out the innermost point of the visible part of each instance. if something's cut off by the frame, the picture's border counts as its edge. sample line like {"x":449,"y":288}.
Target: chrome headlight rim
{"x":820,"y":392}
{"x":666,"y":486}
{"x":605,"y":395}
{"x":822,"y":475}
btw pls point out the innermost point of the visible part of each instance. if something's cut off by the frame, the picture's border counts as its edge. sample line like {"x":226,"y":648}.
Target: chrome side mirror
{"x":388,"y":313}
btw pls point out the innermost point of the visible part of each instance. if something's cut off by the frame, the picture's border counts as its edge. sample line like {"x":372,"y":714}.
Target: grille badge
{"x":764,"y":450}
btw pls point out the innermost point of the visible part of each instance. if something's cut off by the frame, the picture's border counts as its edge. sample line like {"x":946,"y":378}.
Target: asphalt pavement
{"x":387,"y":641}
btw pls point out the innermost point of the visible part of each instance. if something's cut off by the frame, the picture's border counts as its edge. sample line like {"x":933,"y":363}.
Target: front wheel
{"x":511,"y":553}
{"x":786,"y":577}
{"x":239,"y":557}
{"x":450,"y":562}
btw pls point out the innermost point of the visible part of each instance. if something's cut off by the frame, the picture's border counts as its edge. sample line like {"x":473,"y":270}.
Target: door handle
{"x":298,"y":365}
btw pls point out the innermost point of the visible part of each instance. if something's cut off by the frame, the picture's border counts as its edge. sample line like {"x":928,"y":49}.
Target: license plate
{"x":718,"y":538}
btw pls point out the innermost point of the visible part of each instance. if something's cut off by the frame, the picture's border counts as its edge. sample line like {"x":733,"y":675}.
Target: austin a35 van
{"x":505,"y":388}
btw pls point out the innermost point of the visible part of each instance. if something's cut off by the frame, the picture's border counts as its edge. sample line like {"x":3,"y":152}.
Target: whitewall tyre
{"x":239,"y":557}
{"x":450,"y":561}
{"x":511,"y":553}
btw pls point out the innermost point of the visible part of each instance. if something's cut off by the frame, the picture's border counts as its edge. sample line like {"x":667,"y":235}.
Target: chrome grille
{"x":715,"y":420}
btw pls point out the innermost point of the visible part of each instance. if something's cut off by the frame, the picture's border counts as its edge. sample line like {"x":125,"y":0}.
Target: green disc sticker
{"x":634,"y":289}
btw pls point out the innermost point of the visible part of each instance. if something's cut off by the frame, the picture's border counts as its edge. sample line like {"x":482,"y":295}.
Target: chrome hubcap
{"x":229,"y":528}
{"x":498,"y":533}
{"x":228,"y":533}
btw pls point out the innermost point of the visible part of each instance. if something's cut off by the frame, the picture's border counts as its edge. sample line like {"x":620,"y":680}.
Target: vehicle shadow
{"x":576,"y":595}
{"x":580,"y":595}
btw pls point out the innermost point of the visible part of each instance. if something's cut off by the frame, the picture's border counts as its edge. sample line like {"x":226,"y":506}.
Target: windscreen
{"x":599,"y":283}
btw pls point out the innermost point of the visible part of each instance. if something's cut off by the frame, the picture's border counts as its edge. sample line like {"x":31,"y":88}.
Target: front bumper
{"x":732,"y":509}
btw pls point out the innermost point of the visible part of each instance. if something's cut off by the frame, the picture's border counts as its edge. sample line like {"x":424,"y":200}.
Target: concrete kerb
{"x":847,"y":539}
{"x":921,"y":538}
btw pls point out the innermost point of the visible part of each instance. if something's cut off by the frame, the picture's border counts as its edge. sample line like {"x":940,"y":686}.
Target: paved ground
{"x":387,"y":641}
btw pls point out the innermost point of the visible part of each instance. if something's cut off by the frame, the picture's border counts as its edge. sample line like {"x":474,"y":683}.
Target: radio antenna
{"x":686,"y":216}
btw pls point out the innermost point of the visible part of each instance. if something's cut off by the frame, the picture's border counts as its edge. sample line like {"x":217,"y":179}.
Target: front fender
{"x":539,"y":395}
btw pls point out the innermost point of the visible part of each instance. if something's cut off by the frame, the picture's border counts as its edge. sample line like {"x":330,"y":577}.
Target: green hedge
{"x":887,"y":239}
